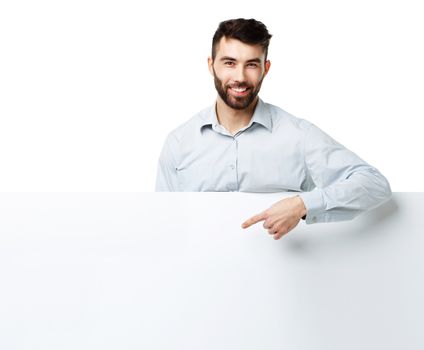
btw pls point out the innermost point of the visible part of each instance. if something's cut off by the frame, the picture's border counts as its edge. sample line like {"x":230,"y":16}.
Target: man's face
{"x":238,"y":71}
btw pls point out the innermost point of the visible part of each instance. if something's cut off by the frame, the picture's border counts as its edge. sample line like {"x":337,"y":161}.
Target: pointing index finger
{"x":253,"y":220}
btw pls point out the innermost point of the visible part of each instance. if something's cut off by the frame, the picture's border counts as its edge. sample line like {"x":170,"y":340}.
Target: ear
{"x":267,"y":66}
{"x":210,"y":65}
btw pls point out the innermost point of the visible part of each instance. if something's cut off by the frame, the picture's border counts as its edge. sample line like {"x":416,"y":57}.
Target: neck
{"x":234,"y":119}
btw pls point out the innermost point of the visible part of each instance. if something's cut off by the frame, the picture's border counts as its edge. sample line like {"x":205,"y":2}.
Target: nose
{"x":239,"y":75}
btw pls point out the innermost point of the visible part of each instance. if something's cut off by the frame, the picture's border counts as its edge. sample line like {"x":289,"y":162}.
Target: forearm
{"x":343,"y":200}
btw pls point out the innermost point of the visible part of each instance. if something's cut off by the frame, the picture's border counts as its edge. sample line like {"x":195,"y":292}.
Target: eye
{"x":228,"y":63}
{"x":252,"y":65}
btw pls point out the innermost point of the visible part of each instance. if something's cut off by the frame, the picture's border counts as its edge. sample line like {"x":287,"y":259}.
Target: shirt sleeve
{"x":345,"y":184}
{"x":166,"y":178}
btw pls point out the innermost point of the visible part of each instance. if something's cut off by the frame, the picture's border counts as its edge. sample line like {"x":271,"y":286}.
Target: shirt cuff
{"x":314,"y":204}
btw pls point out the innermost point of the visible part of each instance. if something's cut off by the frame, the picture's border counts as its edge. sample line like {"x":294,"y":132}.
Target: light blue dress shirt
{"x":276,"y":152}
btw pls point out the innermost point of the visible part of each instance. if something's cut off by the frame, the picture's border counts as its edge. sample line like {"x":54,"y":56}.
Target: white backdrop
{"x":89,"y":89}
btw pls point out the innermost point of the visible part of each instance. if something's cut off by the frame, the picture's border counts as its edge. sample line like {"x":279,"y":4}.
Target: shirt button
{"x":232,"y":166}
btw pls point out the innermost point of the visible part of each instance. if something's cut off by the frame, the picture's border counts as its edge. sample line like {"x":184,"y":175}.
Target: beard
{"x":236,"y":102}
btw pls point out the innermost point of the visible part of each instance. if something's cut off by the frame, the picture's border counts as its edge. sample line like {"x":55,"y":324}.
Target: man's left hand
{"x":281,"y":217}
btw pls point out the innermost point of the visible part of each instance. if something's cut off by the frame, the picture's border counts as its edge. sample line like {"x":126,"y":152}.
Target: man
{"x":244,"y":144}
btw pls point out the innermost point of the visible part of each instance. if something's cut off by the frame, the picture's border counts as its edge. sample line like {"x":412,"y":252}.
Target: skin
{"x":240,"y":65}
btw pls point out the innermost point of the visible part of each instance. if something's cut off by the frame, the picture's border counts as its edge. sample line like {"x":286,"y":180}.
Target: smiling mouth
{"x":239,"y":91}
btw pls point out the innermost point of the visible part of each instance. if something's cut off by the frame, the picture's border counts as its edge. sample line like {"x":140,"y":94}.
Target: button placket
{"x":235,"y":165}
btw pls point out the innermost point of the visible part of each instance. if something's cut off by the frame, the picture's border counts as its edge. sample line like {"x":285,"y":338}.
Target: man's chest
{"x":243,"y":163}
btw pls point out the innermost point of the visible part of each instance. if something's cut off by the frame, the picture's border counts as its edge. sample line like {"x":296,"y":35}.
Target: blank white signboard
{"x":176,"y":271}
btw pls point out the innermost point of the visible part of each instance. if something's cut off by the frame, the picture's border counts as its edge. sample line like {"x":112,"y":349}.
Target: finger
{"x":279,"y":235}
{"x":272,"y":230}
{"x":282,"y":232}
{"x":253,"y":220}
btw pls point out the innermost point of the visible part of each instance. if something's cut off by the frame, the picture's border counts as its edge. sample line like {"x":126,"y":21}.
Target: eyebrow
{"x":228,"y":58}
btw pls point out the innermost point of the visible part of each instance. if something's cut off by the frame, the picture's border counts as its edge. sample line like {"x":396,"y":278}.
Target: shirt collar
{"x":261,"y":116}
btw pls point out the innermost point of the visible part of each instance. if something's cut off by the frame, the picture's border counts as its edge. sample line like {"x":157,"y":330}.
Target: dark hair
{"x":248,"y":31}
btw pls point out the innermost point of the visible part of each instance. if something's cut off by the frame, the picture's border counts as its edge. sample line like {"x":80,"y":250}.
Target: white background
{"x":89,"y":89}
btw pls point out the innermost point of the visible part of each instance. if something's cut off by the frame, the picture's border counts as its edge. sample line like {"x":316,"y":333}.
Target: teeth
{"x":239,"y":89}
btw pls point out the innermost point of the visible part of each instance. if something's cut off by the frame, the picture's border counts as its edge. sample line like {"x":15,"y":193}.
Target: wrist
{"x":302,"y":209}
